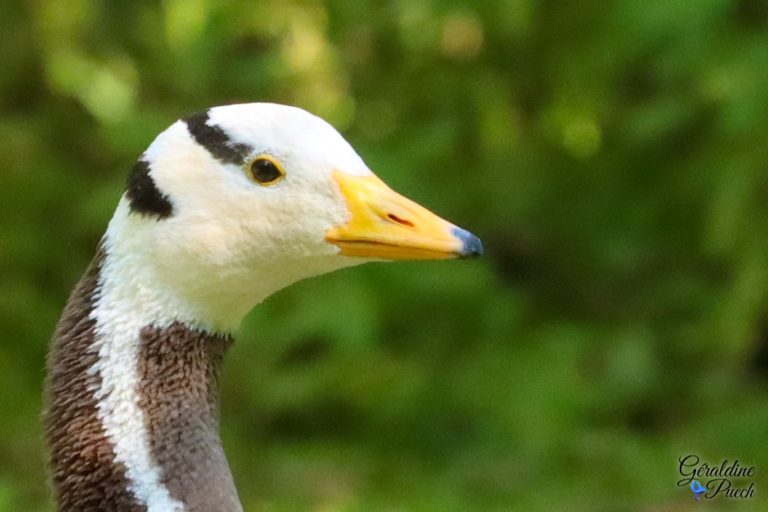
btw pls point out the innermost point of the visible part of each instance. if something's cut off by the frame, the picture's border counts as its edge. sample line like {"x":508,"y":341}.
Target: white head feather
{"x":195,"y":240}
{"x":231,"y":242}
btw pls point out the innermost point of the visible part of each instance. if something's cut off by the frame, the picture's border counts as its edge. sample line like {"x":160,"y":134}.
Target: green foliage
{"x":611,"y":155}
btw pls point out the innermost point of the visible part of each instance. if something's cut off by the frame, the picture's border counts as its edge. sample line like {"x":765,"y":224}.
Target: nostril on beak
{"x":399,"y":220}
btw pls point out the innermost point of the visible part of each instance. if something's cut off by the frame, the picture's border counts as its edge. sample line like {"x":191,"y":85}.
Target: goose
{"x":224,"y":208}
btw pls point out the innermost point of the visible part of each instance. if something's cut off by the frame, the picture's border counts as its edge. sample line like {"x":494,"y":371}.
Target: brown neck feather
{"x":178,"y":370}
{"x":178,"y":375}
{"x":85,"y":475}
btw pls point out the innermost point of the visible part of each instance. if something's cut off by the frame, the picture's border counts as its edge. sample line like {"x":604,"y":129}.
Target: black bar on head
{"x":144,"y":196}
{"x":215,"y":140}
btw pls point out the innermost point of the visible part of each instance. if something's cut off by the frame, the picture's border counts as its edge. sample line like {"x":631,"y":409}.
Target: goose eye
{"x":266,"y":170}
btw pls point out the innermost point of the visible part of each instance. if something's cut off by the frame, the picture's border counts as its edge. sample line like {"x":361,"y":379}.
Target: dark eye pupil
{"x":265,"y":171}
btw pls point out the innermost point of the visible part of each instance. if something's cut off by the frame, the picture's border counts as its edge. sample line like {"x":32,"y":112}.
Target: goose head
{"x":223,"y":209}
{"x":232,"y":204}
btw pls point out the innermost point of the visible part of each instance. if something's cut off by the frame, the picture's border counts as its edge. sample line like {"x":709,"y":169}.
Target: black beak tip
{"x":471,"y":246}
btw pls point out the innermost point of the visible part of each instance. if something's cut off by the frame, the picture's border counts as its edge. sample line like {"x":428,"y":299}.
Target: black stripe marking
{"x":215,"y":140}
{"x":145,"y":198}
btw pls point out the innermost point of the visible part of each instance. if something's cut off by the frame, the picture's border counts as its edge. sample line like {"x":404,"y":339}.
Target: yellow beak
{"x":386,"y":225}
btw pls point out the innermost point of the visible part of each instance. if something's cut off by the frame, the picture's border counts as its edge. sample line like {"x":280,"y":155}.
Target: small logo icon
{"x":697,"y":489}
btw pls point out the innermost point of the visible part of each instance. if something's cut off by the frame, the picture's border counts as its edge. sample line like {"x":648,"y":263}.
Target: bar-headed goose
{"x":223,"y":209}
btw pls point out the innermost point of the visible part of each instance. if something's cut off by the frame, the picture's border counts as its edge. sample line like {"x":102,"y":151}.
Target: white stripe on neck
{"x":124,"y":304}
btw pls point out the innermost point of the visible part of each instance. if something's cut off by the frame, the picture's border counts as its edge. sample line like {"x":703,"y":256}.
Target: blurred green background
{"x":610,"y":153}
